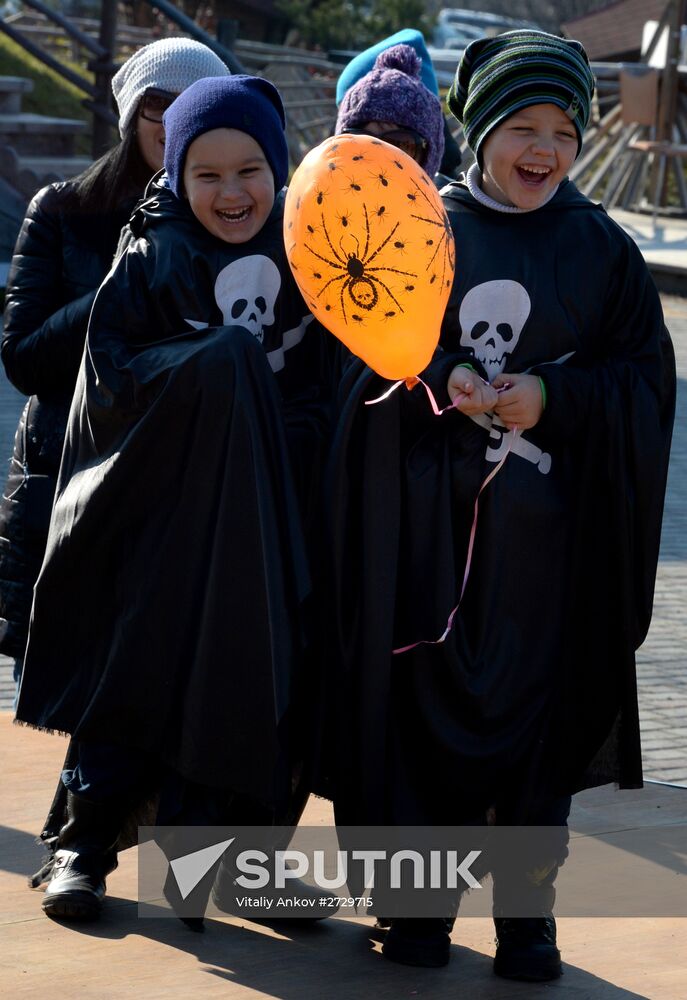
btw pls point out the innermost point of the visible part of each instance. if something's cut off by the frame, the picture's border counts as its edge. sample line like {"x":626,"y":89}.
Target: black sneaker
{"x":424,"y":943}
{"x":526,"y":949}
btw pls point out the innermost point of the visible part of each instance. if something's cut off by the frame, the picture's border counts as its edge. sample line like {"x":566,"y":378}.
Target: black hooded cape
{"x":169,"y":613}
{"x":533,"y":693}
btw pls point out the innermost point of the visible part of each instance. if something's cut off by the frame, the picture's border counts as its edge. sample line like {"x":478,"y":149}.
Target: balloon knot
{"x":411,"y":382}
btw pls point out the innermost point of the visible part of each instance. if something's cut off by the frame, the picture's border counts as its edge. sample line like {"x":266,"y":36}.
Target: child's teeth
{"x":235,"y":216}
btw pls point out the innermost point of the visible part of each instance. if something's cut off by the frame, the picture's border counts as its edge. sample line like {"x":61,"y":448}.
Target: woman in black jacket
{"x":63,"y":252}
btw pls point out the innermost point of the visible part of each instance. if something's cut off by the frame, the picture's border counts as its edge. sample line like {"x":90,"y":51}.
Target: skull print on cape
{"x":246,"y":291}
{"x":492,"y":318}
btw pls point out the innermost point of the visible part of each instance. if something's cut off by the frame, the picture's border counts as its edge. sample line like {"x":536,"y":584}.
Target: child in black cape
{"x":169,"y":624}
{"x":532,"y":695}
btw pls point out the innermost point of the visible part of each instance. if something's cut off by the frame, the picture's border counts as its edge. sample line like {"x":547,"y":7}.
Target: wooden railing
{"x":613,"y":168}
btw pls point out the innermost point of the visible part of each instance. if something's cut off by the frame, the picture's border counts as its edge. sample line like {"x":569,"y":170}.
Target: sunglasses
{"x":154,"y":103}
{"x":405,"y":139}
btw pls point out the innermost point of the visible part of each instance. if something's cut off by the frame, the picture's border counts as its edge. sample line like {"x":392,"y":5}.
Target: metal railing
{"x":307,"y":80}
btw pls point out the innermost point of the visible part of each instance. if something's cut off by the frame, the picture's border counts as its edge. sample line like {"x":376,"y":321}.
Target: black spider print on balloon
{"x":352,"y":184}
{"x":381,"y":176}
{"x":359,"y":284}
{"x":445,"y":240}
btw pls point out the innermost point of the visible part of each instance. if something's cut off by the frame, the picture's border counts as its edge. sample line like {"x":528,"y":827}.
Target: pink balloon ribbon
{"x":473,"y":531}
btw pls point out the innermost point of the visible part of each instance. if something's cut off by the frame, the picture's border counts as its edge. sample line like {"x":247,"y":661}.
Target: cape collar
{"x":473,"y":179}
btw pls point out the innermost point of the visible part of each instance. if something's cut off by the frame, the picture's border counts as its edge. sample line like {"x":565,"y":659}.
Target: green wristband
{"x":542,"y":386}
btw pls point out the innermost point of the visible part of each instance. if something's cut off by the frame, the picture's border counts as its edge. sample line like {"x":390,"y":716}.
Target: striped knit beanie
{"x":498,"y":76}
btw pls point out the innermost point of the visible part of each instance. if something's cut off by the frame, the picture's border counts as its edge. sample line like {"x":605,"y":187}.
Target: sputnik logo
{"x":189,"y":869}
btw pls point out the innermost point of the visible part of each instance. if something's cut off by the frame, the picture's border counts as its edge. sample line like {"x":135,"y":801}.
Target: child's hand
{"x":522,"y":405}
{"x":469,"y":393}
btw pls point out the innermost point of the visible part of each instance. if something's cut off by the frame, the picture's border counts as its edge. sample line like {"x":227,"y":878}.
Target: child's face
{"x":526,"y":156}
{"x":229,"y":184}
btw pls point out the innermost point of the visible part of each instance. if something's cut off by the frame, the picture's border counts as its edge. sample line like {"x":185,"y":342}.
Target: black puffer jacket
{"x":60,"y":259}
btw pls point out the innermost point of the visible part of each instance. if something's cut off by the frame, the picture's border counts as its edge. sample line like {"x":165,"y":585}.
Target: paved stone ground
{"x":662,"y":661}
{"x":11,"y":405}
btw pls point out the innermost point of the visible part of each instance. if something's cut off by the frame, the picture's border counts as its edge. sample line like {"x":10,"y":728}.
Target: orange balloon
{"x":372,"y":250}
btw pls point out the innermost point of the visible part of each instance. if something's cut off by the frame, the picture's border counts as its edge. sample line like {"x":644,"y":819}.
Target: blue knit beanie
{"x":393,"y":92}
{"x":246,"y":103}
{"x":364,"y":61}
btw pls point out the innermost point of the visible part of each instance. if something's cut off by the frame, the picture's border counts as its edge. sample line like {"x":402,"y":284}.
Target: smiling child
{"x":176,"y":570}
{"x":531,"y":693}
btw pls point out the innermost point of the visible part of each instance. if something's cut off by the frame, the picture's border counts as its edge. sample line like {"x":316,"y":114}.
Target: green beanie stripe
{"x":499,"y":76}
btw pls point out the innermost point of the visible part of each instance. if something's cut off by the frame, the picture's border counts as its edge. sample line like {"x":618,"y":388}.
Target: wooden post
{"x":102,"y":132}
{"x":667,"y":102}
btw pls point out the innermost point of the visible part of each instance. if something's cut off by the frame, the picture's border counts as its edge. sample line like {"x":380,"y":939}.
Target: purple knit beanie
{"x":393,"y":92}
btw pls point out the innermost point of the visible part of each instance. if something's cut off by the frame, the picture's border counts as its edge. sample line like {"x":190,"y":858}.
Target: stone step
{"x":11,"y":90}
{"x":63,"y":167}
{"x":39,"y":134}
{"x":26,"y":173}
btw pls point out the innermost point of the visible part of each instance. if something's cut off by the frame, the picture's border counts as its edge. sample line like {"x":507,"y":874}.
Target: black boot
{"x":297,"y":899}
{"x":382,"y":924}
{"x":526,"y":946}
{"x":421,"y":942}
{"x":85,"y":855}
{"x":526,"y":949}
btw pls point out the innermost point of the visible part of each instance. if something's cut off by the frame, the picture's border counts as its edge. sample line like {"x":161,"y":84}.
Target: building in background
{"x":614,"y":33}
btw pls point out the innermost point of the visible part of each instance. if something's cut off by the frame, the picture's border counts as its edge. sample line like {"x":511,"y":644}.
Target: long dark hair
{"x":117,"y":178}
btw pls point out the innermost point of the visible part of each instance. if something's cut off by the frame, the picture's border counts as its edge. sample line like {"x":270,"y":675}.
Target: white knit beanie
{"x":170,"y":64}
